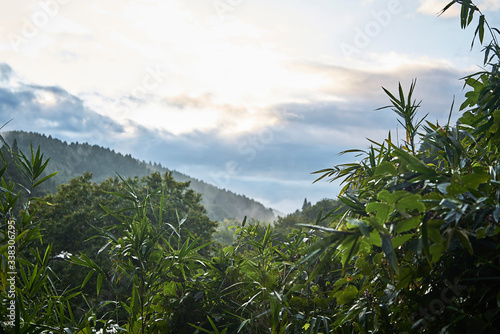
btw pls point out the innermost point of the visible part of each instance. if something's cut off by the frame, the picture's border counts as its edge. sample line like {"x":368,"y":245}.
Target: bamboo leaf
{"x":464,"y":240}
{"x":412,"y":162}
{"x":388,"y":249}
{"x":99,"y":282}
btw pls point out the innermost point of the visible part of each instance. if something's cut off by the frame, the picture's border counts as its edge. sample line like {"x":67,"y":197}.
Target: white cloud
{"x":434,"y":7}
{"x":62,"y":25}
{"x":245,"y":68}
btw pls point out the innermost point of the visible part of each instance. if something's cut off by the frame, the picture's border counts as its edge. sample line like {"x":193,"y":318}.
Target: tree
{"x":80,"y":208}
{"x":306,"y":205}
{"x":285,"y":225}
{"x":310,"y":214}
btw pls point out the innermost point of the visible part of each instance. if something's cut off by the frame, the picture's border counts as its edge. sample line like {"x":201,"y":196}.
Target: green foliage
{"x":29,"y":301}
{"x":225,"y":234}
{"x":81,"y":208}
{"x":406,"y":109}
{"x":154,"y":261}
{"x":423,"y":224}
{"x":310,"y":214}
{"x":259,"y":285}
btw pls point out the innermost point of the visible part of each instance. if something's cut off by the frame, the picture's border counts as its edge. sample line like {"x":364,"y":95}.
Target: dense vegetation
{"x":414,"y":247}
{"x":73,"y":159}
{"x":307,"y":215}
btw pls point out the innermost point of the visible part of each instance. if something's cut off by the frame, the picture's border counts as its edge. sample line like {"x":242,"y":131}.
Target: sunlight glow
{"x":46,"y":98}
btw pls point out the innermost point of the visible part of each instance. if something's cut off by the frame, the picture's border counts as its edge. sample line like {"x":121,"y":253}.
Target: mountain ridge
{"x":73,"y":159}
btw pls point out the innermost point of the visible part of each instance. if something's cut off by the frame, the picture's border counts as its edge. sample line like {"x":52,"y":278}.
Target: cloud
{"x":435,"y":7}
{"x":51,"y":109}
{"x":351,"y":92}
{"x":359,"y":92}
{"x":5,"y":72}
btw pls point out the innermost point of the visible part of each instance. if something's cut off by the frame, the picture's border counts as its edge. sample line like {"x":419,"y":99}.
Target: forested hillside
{"x":72,"y":160}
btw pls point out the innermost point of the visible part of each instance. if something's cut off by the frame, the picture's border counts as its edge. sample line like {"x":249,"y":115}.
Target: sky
{"x":249,"y":95}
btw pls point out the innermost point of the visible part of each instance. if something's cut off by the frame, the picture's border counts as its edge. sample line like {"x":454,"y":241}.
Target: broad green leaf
{"x":407,"y":224}
{"x":433,"y":230}
{"x":410,"y":203}
{"x":412,"y":162}
{"x":363,"y":227}
{"x":364,"y":246}
{"x":382,"y":211}
{"x":375,"y":239}
{"x":400,"y":240}
{"x":455,"y":188}
{"x":404,"y":277}
{"x":340,"y":281}
{"x":386,"y":168}
{"x":436,"y":251}
{"x":347,"y":295}
{"x":473,"y":180}
{"x":392,"y":198}
{"x":363,"y":266}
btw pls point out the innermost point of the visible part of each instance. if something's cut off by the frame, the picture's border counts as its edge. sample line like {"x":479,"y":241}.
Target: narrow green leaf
{"x":326,"y":229}
{"x":89,"y":275}
{"x":464,"y":240}
{"x":350,"y":244}
{"x":242,"y":324}
{"x":99,"y":282}
{"x":388,"y":249}
{"x":44,"y":179}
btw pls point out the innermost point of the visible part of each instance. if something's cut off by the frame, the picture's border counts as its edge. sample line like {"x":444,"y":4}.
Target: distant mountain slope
{"x":74,"y":159}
